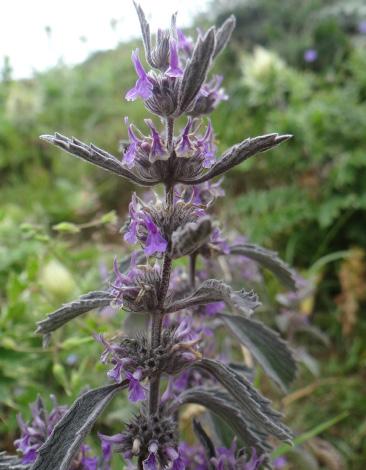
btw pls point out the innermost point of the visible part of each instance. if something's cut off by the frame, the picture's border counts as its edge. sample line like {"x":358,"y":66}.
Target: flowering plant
{"x":174,"y":361}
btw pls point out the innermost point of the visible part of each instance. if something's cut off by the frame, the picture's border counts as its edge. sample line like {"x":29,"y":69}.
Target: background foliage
{"x":58,"y":234}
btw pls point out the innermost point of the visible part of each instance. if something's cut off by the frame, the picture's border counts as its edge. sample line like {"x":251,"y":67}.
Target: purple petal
{"x":151,"y":462}
{"x":136,"y":391}
{"x":174,"y":70}
{"x":143,"y":86}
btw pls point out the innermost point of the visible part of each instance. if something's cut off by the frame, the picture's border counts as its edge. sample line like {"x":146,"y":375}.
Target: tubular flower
{"x":141,"y":227}
{"x":144,"y":84}
{"x":174,"y":70}
{"x":144,"y":150}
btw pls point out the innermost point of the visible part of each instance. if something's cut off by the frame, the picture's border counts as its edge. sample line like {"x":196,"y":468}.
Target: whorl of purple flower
{"x":142,"y":228}
{"x":144,"y":84}
{"x":144,"y":149}
{"x":114,"y":355}
{"x":35,"y":433}
{"x":310,"y":55}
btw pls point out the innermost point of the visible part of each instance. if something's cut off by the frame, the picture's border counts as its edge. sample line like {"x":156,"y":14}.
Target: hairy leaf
{"x":222,"y":405}
{"x":213,"y":290}
{"x":191,"y":237}
{"x":254,"y":407}
{"x":145,"y":31}
{"x":240,"y":152}
{"x":268,"y":259}
{"x":94,"y":155}
{"x":73,"y":309}
{"x":267,"y":347}
{"x":223,"y":35}
{"x":69,"y":433}
{"x":11,"y":462}
{"x":196,"y":70}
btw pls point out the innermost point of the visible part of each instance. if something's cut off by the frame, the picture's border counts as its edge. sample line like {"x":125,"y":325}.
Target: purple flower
{"x":157,"y":149}
{"x":207,"y":147}
{"x":130,"y":154}
{"x":185,"y":144}
{"x":136,"y":391}
{"x":310,"y":55}
{"x":184,"y":43}
{"x":217,"y":240}
{"x":155,"y":242}
{"x":174,"y":70}
{"x":151,"y":463}
{"x":144,"y":84}
{"x":143,"y":228}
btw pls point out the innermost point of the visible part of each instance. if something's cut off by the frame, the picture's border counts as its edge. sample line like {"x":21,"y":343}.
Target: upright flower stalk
{"x":176,"y":361}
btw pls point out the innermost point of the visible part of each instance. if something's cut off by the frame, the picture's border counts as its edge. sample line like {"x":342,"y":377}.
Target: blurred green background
{"x":292,"y":67}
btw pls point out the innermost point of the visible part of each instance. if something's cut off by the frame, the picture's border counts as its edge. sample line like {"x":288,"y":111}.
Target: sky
{"x":76,"y":28}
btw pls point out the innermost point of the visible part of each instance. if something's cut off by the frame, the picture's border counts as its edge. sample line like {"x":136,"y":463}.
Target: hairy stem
{"x":157,"y":317}
{"x":169,"y":133}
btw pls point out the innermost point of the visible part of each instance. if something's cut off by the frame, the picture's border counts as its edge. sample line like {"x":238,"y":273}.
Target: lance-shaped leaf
{"x":222,"y":405}
{"x":11,"y":462}
{"x":73,"y":309}
{"x":223,"y":35}
{"x":268,"y":259}
{"x":145,"y":31}
{"x":267,"y":347}
{"x":191,"y":237}
{"x":255,"y":408}
{"x":196,"y":70}
{"x":69,"y":433}
{"x":240,"y":152}
{"x":94,"y":155}
{"x":213,"y":290}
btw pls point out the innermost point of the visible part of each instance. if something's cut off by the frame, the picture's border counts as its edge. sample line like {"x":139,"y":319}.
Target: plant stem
{"x":169,"y":133}
{"x":158,"y":316}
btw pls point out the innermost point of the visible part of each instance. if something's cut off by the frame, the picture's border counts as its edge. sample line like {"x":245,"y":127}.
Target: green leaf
{"x":266,"y":346}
